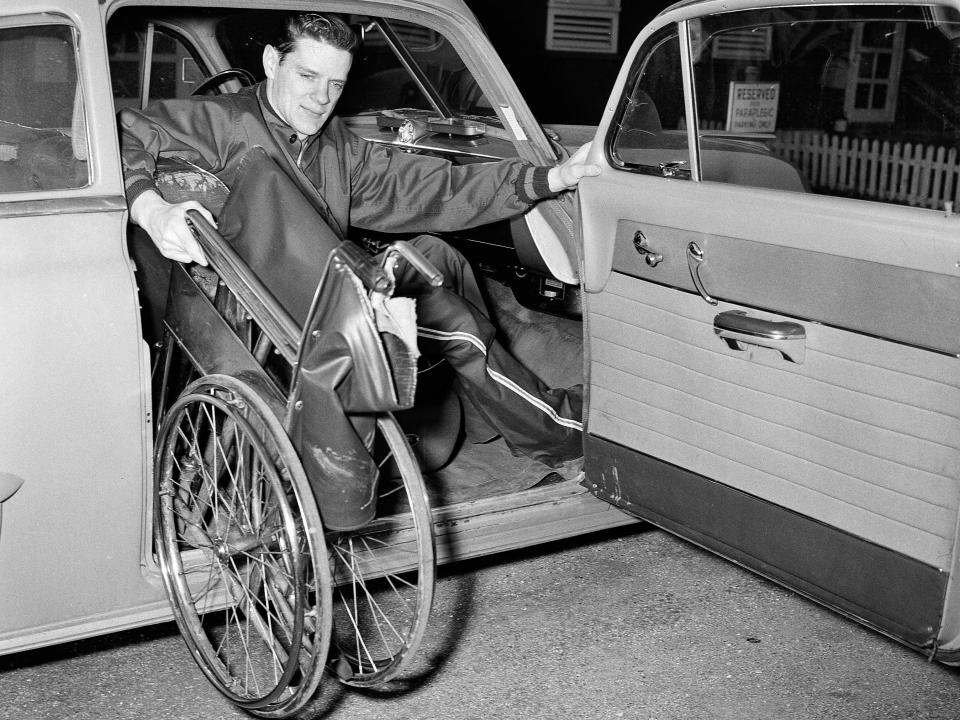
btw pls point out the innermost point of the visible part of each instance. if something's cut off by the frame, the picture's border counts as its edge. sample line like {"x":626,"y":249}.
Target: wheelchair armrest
{"x":378,"y":277}
{"x":416,"y":258}
{"x":372,"y":276}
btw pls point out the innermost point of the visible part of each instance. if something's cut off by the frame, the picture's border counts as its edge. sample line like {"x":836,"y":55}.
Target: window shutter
{"x":749,"y":45}
{"x":415,"y":37}
{"x":583,"y":25}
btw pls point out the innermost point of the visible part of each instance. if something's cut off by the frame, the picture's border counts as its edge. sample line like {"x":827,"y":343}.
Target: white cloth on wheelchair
{"x":398,"y":316}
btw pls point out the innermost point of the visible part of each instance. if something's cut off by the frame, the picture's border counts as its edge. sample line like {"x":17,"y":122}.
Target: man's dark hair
{"x":330,"y":29}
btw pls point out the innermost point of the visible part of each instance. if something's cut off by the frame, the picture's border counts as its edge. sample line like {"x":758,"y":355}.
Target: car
{"x":86,"y":293}
{"x":758,"y":291}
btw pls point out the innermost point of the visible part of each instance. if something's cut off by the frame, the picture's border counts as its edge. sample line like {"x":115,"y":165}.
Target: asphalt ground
{"x":626,"y":624}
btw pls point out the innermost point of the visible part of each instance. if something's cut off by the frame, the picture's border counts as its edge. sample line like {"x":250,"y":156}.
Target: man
{"x":365,"y":185}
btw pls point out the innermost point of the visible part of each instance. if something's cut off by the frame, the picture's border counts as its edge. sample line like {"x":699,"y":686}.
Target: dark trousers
{"x":534,"y":420}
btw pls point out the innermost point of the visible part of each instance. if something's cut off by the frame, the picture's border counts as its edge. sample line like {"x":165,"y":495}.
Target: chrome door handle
{"x":787,"y":338}
{"x":695,"y":261}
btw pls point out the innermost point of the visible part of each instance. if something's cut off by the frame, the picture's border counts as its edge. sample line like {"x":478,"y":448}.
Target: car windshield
{"x":399,"y":65}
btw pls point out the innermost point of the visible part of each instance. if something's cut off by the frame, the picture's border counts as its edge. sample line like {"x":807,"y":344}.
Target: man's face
{"x":305,"y":86}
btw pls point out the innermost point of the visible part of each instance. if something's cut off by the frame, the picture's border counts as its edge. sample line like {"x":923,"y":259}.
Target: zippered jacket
{"x":359,"y":183}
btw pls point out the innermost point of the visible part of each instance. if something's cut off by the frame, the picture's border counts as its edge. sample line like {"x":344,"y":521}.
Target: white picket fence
{"x":902,"y":173}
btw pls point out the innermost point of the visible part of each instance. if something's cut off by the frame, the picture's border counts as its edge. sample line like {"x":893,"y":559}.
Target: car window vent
{"x":582,"y":27}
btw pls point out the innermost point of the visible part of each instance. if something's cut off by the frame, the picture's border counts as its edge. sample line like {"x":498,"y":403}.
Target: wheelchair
{"x":267,"y":592}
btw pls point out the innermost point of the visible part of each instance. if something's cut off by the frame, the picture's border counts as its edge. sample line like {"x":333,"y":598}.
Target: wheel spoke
{"x":364,"y":601}
{"x":375,"y":607}
{"x":369,"y":561}
{"x":249,"y":582}
{"x":263,"y":625}
{"x":391,"y":577}
{"x":396,"y":490}
{"x":382,"y":600}
{"x":207,"y":592}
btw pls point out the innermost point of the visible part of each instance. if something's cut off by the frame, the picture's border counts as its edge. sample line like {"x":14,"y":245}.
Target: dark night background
{"x":560,"y":87}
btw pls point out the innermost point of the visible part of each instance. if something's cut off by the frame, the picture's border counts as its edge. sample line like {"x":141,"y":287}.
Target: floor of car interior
{"x":553,"y":348}
{"x":487,"y":469}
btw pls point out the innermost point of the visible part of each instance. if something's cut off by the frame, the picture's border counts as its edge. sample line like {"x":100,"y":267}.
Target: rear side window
{"x":142,"y":52}
{"x":43,"y":141}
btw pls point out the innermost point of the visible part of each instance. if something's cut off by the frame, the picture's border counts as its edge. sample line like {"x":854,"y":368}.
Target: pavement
{"x":630,"y":623}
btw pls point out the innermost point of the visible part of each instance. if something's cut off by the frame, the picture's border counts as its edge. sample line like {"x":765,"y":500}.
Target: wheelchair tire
{"x":240,"y":546}
{"x":384,"y":573}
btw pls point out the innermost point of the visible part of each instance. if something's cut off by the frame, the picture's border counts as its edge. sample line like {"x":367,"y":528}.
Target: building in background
{"x":564,"y":54}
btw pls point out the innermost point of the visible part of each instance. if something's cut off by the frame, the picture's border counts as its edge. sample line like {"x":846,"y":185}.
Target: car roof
{"x":456,"y":7}
{"x":729,"y":5}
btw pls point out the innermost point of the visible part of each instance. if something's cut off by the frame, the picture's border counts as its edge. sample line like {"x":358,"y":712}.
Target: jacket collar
{"x":280,"y":129}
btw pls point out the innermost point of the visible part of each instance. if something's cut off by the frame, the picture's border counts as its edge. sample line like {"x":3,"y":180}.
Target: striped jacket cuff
{"x":138,"y":187}
{"x":532,"y":184}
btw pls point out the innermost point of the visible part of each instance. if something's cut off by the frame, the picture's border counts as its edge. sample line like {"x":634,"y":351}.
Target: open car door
{"x":772,"y":269}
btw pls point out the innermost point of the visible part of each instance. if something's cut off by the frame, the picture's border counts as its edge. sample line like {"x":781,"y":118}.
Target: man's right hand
{"x":166,"y":224}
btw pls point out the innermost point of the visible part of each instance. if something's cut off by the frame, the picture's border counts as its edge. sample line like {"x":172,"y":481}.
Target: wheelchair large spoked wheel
{"x":241,"y":549}
{"x":384,"y":573}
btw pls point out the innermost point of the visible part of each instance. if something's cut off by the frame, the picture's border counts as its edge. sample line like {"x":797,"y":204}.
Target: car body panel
{"x":76,"y":423}
{"x":883,"y":589}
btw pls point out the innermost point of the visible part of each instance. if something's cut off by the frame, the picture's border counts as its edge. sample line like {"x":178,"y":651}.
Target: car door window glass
{"x":649,"y":135}
{"x":853,"y":101}
{"x":43,"y":139}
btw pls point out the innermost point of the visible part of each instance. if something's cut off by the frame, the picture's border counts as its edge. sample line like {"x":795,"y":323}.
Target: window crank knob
{"x":650,"y":256}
